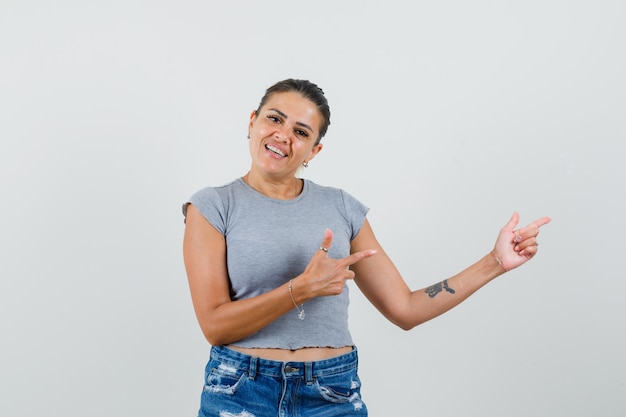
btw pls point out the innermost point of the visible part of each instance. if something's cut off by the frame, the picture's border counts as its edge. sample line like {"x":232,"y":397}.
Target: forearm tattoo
{"x":435,"y":289}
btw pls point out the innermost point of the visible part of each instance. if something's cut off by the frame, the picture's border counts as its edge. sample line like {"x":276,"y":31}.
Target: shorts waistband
{"x":306,"y":370}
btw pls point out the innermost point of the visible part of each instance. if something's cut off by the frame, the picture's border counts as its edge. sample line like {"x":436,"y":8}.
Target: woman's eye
{"x":301,"y":133}
{"x":273,"y":118}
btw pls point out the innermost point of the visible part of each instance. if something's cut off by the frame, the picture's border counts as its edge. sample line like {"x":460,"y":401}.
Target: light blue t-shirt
{"x":269,"y":242}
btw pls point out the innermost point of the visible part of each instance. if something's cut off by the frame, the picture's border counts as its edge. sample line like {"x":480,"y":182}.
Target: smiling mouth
{"x":275,"y":150}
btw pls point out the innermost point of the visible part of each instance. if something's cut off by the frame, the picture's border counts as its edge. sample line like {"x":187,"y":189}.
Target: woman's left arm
{"x":382,"y":284}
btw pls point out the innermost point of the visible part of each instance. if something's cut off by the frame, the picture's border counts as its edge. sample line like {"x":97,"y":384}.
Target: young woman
{"x":268,"y":256}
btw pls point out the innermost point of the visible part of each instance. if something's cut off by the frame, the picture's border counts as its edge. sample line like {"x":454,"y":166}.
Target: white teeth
{"x":275,"y":150}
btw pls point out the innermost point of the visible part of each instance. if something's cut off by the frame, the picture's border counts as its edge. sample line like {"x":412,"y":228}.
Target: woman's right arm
{"x":224,"y":321}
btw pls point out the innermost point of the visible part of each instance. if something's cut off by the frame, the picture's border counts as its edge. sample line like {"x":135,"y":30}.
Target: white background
{"x":446,"y":117}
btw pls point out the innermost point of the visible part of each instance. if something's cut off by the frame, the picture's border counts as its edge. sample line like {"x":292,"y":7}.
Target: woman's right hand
{"x":326,"y":276}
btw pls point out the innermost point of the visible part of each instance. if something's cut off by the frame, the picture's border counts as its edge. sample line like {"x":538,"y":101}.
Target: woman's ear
{"x":252,"y":120}
{"x":316,"y":149}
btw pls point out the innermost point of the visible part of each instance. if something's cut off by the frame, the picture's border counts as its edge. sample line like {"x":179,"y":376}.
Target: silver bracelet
{"x":301,"y":308}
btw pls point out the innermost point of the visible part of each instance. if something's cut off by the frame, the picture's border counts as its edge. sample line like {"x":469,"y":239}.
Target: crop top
{"x":270,"y":241}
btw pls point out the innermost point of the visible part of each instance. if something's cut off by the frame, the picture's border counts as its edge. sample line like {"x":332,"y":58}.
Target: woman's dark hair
{"x":309,"y":91}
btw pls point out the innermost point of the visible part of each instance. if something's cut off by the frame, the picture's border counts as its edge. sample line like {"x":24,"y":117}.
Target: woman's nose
{"x":282,"y":134}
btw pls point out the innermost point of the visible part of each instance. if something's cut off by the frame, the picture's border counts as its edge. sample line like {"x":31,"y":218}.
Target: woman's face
{"x":283,"y":133}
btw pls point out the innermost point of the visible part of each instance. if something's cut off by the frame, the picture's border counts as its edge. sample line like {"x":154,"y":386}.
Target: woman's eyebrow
{"x":283,"y":115}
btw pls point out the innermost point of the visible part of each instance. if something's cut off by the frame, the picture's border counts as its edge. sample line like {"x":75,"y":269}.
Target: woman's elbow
{"x":406,"y":326}
{"x":214,"y":335}
{"x":405,"y":323}
{"x":213,"y":341}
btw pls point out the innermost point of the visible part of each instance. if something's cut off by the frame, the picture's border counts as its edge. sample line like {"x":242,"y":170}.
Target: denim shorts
{"x":239,"y":385}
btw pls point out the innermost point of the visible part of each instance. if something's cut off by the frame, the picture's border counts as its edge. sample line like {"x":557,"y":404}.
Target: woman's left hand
{"x":516,"y":246}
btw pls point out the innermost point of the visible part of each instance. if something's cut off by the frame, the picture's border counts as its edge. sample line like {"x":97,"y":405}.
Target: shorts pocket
{"x":339,"y":388}
{"x":223,"y":378}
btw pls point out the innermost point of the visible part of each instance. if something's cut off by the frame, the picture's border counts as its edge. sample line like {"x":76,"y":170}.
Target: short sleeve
{"x":355,"y":212}
{"x":211,"y":206}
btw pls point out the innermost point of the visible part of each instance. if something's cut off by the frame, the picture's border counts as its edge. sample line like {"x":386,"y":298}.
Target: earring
{"x":248,"y":136}
{"x":305,"y":164}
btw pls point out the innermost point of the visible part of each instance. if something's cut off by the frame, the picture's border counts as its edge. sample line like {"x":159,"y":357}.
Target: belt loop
{"x":253,"y":367}
{"x":308,"y":372}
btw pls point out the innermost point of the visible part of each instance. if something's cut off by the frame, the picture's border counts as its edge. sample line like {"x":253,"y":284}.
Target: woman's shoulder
{"x":210,"y":191}
{"x":318,"y":188}
{"x":212,"y":196}
{"x":329,"y":190}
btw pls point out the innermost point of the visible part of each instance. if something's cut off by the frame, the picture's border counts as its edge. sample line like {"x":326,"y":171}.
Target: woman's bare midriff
{"x":298,"y":355}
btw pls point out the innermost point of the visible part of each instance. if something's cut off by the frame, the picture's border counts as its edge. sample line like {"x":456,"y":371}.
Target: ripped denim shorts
{"x":239,"y":385}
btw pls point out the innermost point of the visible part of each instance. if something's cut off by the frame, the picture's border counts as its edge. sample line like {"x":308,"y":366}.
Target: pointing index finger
{"x":540,"y":222}
{"x":358,"y":256}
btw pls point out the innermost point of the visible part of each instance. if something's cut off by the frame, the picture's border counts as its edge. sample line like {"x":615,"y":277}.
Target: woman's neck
{"x":284,"y":189}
